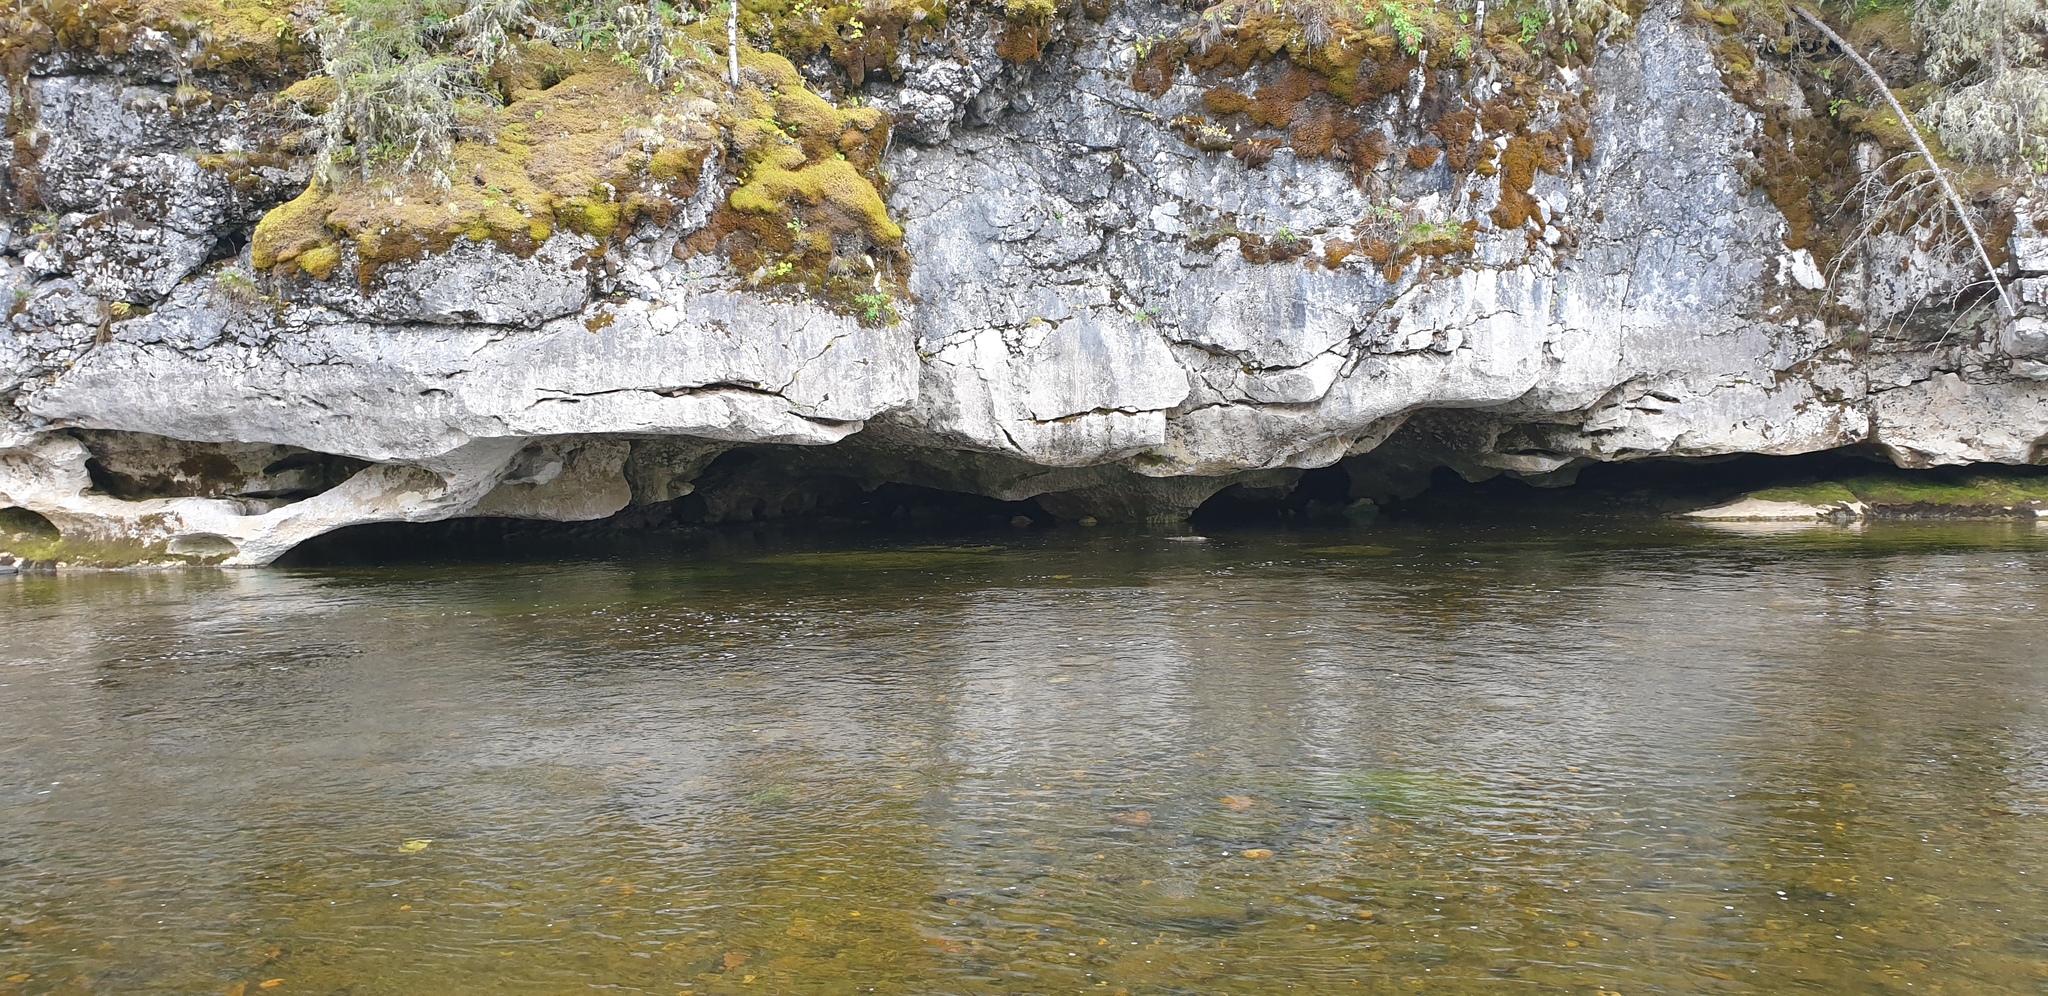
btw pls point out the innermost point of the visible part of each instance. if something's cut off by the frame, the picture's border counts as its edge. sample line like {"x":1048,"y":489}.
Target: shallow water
{"x":1514,"y":759}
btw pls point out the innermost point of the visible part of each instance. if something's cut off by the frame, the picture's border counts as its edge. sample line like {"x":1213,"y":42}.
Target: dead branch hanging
{"x":1940,"y":175}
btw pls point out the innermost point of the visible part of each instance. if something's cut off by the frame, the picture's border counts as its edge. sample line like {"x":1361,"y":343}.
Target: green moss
{"x":1971,"y":490}
{"x":774,"y":191}
{"x":290,"y":230}
{"x":320,"y":261}
{"x":52,"y":549}
{"x":311,"y":95}
{"x":592,"y":154}
{"x":1941,"y":489}
{"x":595,"y":151}
{"x":256,"y":38}
{"x":808,"y":214}
{"x":863,"y":38}
{"x":1821,"y":493}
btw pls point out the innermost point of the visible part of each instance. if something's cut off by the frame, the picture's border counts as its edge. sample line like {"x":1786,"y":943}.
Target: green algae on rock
{"x":1923,"y":494}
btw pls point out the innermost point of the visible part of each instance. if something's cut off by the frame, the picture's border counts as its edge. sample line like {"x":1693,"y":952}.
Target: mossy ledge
{"x":257,"y":39}
{"x":593,"y":152}
{"x":808,"y":214}
{"x":1927,"y":494}
{"x":584,"y":145}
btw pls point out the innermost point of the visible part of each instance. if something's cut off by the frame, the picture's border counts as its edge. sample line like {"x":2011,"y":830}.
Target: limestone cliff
{"x":1113,"y":294}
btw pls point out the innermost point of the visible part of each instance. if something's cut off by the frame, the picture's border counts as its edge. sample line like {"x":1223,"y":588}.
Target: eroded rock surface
{"x":1085,"y":324}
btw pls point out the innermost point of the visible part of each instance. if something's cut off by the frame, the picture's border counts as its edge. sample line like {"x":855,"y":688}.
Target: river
{"x":1539,"y":757}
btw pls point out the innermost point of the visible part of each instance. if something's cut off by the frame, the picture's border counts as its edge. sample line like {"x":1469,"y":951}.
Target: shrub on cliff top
{"x":394,"y":96}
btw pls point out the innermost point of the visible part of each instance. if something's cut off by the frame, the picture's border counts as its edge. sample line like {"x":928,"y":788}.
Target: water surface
{"x":1519,"y":759}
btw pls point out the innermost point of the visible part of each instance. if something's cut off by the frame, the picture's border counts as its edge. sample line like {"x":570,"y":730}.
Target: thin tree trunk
{"x":1940,"y":175}
{"x":732,"y":43}
{"x":657,"y":45}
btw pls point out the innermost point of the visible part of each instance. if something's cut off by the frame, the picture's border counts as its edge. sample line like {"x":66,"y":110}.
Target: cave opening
{"x":1323,"y":493}
{"x":759,"y":496}
{"x":21,"y":523}
{"x":25,"y":537}
{"x":717,"y":517}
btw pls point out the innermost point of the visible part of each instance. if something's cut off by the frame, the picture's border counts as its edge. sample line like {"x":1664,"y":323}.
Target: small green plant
{"x":1532,"y":21}
{"x":1403,"y":23}
{"x":1427,"y":230}
{"x":876,"y":308}
{"x":240,"y":287}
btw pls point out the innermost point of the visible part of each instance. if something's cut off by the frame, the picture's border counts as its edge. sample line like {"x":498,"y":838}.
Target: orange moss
{"x":1273,"y":106}
{"x":1023,"y":42}
{"x":1256,"y":152}
{"x":1518,"y":165}
{"x":1153,"y":74}
{"x":1367,"y":150}
{"x":1316,"y":132}
{"x":1423,"y":156}
{"x":1505,"y":113}
{"x":1224,"y":100}
{"x":1455,"y":131}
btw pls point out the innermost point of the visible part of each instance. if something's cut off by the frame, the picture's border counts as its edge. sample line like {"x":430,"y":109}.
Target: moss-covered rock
{"x":593,"y":153}
{"x":261,"y":39}
{"x":1929,"y":493}
{"x":809,"y":214}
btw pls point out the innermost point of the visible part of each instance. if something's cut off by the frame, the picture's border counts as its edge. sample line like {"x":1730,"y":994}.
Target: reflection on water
{"x":1510,"y":760}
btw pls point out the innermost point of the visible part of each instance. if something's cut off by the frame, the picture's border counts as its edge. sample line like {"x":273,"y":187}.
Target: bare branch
{"x":1955,"y":201}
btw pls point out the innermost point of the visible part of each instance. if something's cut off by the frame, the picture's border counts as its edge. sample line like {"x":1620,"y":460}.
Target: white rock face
{"x":1084,"y":324}
{"x":445,"y":289}
{"x":721,"y":366}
